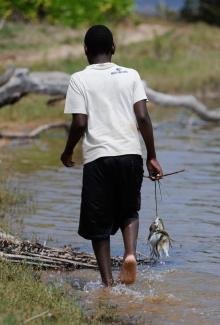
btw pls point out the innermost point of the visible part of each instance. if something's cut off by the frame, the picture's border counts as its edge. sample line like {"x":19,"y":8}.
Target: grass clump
{"x":23,"y":296}
{"x":11,"y":200}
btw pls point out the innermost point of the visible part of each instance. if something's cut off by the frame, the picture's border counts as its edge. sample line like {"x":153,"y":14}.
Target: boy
{"x":108,"y":102}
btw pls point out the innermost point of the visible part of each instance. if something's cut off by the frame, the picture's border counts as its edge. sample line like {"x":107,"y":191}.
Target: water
{"x":182,"y":289}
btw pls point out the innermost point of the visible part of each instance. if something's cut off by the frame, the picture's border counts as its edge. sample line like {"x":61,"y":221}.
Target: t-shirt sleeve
{"x":139,"y":91}
{"x":75,"y":100}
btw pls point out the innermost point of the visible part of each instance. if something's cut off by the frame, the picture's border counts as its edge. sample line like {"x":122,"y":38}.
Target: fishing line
{"x":155,"y":195}
{"x":157,"y":181}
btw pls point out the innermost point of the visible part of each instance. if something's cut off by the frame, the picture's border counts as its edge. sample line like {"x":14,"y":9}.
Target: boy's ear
{"x":113,"y":49}
{"x":85,"y":49}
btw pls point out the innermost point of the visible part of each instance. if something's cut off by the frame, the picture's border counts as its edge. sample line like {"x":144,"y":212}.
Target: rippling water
{"x":182,"y":289}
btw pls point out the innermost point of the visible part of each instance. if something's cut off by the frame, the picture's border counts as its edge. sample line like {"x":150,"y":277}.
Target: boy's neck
{"x":101,"y":58}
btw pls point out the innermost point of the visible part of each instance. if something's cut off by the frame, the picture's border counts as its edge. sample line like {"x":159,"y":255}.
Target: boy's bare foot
{"x":128,"y":270}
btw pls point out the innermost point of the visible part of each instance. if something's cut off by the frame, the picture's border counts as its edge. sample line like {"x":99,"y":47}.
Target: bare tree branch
{"x":23,"y":82}
{"x":186,"y":101}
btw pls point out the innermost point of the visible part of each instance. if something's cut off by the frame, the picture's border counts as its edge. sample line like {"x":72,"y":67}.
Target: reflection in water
{"x":183,"y":289}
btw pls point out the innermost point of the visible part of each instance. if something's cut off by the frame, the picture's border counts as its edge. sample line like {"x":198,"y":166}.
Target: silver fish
{"x":159,"y":239}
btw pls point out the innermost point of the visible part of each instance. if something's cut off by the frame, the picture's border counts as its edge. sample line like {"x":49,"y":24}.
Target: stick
{"x":49,"y":260}
{"x":36,"y":316}
{"x":168,"y":174}
{"x":47,"y":266}
{"x":60,"y":259}
{"x":142,"y":254}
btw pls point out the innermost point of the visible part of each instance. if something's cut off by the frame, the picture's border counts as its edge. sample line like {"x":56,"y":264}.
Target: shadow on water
{"x":183,"y":289}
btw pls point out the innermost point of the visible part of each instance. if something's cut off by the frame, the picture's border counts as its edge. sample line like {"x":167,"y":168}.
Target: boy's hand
{"x":154,"y":169}
{"x":67,"y":159}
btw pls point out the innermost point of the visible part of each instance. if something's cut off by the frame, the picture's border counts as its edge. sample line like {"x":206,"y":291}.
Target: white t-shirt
{"x":106,"y":93}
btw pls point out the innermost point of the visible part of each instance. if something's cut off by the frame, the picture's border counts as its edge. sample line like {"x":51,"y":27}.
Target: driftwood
{"x":186,"y":101}
{"x":23,"y":82}
{"x":6,"y":76}
{"x":18,"y":251}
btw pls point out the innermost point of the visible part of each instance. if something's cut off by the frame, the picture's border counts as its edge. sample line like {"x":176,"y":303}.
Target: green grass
{"x":183,"y":60}
{"x":29,"y":37}
{"x":186,"y":59}
{"x":23,"y":296}
{"x":10,"y":197}
{"x":33,"y":109}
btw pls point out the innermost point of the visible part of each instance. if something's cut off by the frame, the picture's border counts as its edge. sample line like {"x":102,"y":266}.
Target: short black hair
{"x":98,"y":40}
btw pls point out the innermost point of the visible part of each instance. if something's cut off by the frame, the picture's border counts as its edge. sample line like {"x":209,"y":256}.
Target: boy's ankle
{"x":128,"y":255}
{"x":108,"y":283}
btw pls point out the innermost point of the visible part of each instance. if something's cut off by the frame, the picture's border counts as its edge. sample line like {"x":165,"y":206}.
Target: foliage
{"x":207,"y":10}
{"x":190,"y":10}
{"x":71,"y":13}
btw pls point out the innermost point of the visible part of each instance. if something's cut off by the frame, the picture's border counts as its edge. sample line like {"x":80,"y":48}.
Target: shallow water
{"x":182,"y":289}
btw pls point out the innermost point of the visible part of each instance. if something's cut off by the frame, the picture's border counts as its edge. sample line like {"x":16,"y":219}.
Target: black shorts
{"x":110,"y":195}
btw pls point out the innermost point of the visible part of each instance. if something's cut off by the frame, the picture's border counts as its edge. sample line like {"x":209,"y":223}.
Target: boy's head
{"x":98,"y":40}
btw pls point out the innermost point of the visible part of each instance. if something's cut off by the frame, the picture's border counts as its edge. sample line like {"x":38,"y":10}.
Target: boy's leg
{"x":102,"y":252}
{"x":130,"y":233}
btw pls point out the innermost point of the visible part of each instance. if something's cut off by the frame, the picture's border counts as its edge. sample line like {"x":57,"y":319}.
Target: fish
{"x":159,"y":239}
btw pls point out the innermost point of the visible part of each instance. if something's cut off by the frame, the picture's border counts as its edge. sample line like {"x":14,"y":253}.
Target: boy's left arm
{"x":77,"y":130}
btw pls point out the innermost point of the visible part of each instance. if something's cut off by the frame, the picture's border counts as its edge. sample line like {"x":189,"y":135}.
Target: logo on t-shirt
{"x":119,"y":70}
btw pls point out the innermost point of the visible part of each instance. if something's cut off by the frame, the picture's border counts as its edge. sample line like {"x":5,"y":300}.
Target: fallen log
{"x":15,"y":250}
{"x":23,"y":82}
{"x":6,"y":76}
{"x":189,"y":102}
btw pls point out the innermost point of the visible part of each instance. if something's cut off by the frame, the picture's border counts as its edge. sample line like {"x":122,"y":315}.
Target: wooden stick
{"x":171,"y":173}
{"x":36,"y":316}
{"x":60,"y":260}
{"x":142,"y":254}
{"x":39,"y":259}
{"x":47,"y":266}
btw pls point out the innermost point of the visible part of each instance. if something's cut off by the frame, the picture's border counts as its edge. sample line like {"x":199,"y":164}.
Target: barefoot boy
{"x":107,"y":103}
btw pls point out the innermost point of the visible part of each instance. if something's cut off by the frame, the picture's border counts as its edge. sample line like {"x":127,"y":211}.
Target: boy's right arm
{"x":145,"y":127}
